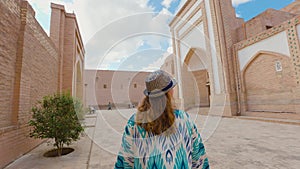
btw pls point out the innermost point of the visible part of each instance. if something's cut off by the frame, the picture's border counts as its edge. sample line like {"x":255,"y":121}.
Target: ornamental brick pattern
{"x":268,"y":33}
{"x":294,"y":47}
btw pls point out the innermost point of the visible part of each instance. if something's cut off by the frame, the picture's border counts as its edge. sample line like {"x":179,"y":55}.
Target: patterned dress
{"x":181,"y":150}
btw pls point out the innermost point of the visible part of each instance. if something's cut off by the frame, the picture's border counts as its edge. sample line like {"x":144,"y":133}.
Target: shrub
{"x":56,"y":117}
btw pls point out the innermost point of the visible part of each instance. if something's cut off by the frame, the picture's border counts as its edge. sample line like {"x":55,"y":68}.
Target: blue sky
{"x":255,"y":7}
{"x":158,"y":6}
{"x":246,"y":10}
{"x":104,"y":18}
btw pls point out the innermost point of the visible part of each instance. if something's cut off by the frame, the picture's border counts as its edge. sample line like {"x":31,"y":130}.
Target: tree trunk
{"x":59,"y":149}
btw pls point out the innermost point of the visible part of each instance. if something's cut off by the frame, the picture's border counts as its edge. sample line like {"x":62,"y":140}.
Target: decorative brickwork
{"x":294,"y":47}
{"x":293,"y":41}
{"x":268,"y":33}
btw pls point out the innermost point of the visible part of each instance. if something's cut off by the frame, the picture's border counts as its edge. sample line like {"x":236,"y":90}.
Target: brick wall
{"x":40,"y":68}
{"x":294,"y":7}
{"x":195,"y":90}
{"x":69,"y":53}
{"x":189,"y":87}
{"x":262,"y":87}
{"x":270,"y":18}
{"x":269,"y":90}
{"x":29,"y":71}
{"x":137,"y":87}
{"x":227,"y":23}
{"x":10,"y":23}
{"x":64,"y":32}
{"x":225,"y":26}
{"x":202,"y":79}
{"x":117,"y":87}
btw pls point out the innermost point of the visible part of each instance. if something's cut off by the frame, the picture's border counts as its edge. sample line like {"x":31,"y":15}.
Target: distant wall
{"x":118,"y":87}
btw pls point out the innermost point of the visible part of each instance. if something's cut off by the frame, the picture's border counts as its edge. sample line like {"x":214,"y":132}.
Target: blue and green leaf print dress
{"x":181,"y":150}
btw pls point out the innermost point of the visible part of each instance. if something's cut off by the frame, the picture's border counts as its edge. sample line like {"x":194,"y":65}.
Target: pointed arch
{"x":267,"y":89}
{"x":200,"y":56}
{"x":260,"y":53}
{"x":195,"y":79}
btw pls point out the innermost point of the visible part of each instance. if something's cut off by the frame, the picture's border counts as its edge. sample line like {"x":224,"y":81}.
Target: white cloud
{"x":159,"y":62}
{"x":236,"y":3}
{"x":170,"y":50}
{"x":166,"y":3}
{"x":238,"y":15}
{"x":92,"y":15}
{"x":108,"y":27}
{"x":122,"y":38}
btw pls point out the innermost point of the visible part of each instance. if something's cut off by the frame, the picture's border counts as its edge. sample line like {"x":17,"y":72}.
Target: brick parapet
{"x":268,"y":33}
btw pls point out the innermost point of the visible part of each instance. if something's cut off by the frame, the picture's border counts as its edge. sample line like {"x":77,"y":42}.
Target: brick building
{"x":33,"y":65}
{"x":237,"y":67}
{"x":121,"y":88}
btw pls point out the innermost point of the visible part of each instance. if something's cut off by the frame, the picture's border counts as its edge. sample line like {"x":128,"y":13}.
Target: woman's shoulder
{"x":131,"y":120}
{"x":181,"y":114}
{"x":130,"y":125}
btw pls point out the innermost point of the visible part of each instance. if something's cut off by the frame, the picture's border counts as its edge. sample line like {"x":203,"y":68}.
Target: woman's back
{"x":159,"y":136}
{"x":180,"y":148}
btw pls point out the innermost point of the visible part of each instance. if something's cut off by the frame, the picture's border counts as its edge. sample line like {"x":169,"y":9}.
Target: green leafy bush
{"x":56,"y":117}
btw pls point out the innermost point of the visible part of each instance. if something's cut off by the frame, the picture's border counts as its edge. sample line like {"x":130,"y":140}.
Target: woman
{"x":159,"y":136}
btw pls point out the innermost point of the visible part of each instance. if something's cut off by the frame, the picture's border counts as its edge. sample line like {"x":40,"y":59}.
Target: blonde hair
{"x":156,"y":115}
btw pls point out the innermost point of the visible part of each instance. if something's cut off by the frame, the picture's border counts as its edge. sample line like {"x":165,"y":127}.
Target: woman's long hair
{"x":156,"y":114}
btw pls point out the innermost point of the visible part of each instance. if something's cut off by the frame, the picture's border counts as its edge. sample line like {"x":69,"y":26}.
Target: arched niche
{"x":195,"y":79}
{"x":267,"y":83}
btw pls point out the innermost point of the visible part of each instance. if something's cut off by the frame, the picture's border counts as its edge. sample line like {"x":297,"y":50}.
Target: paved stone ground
{"x":35,"y":160}
{"x":230,"y":143}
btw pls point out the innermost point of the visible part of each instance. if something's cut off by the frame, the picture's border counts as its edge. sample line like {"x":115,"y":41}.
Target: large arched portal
{"x":195,"y":79}
{"x":199,"y":26}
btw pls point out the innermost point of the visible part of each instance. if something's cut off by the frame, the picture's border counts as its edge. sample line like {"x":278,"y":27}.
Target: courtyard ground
{"x":231,"y":143}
